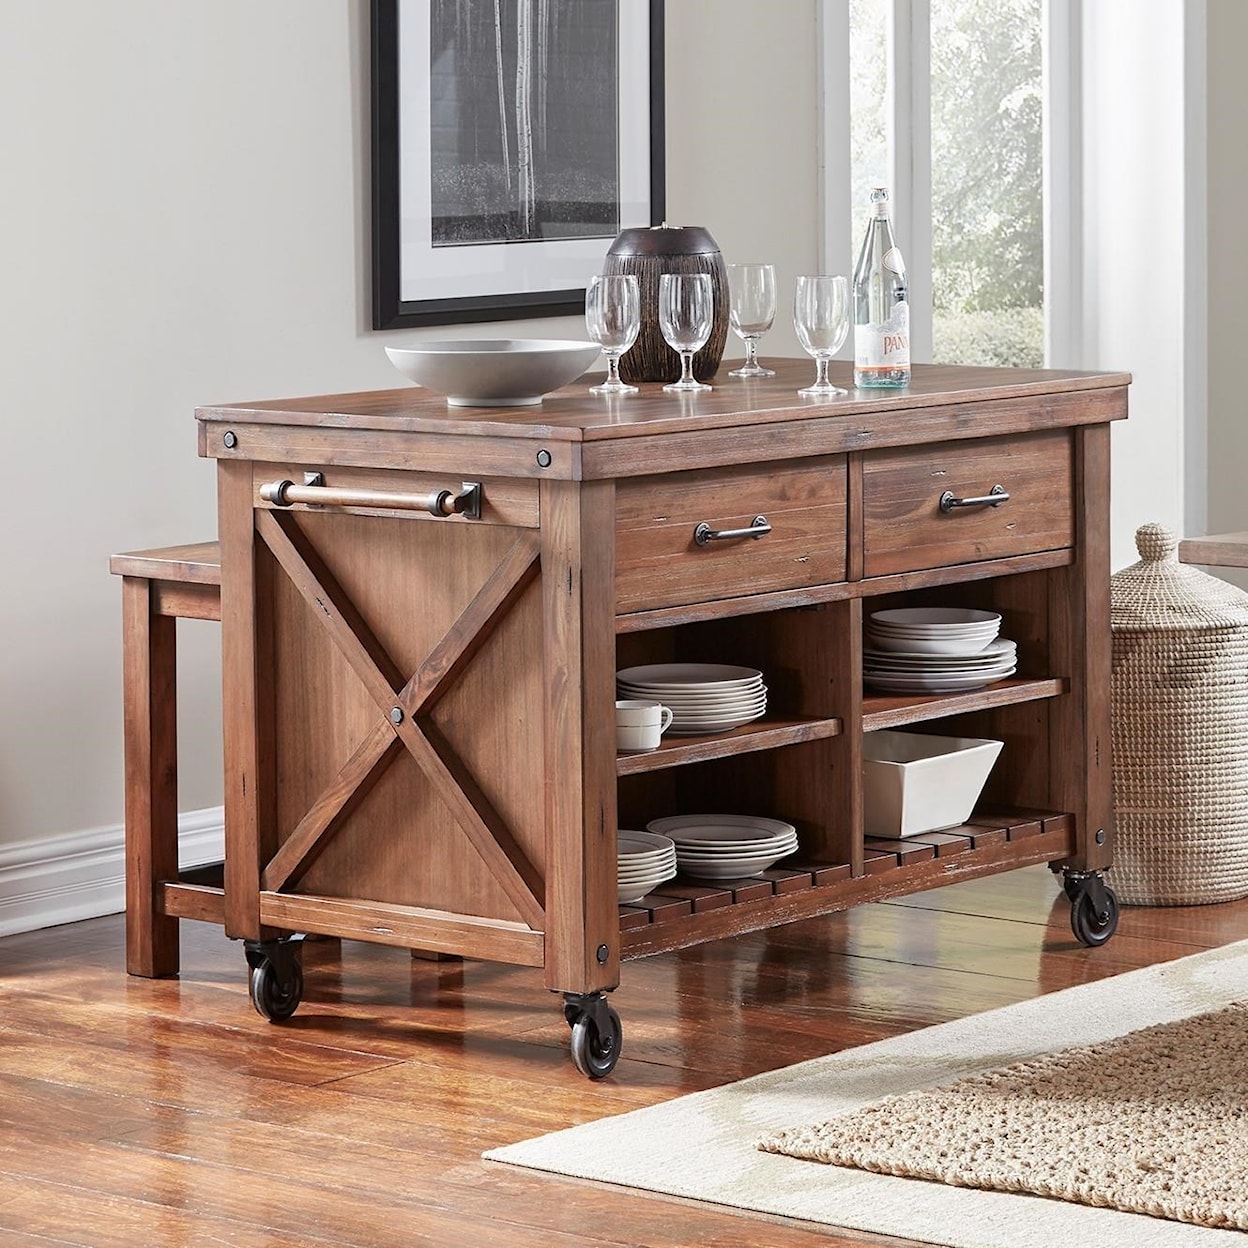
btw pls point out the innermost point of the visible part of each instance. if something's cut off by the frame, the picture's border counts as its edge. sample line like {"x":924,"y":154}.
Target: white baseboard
{"x":81,"y":875}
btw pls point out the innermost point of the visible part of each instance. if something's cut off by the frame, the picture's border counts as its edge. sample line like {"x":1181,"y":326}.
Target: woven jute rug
{"x":1155,"y":1122}
{"x":705,"y":1146}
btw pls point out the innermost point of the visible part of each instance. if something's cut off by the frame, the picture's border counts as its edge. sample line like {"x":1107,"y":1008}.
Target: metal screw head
{"x":1100,"y":836}
{"x":230,"y":440}
{"x":543,"y":459}
{"x":396,"y":714}
{"x":603,"y":954}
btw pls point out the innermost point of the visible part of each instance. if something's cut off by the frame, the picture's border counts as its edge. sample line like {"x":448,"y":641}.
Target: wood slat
{"x":906,"y":852}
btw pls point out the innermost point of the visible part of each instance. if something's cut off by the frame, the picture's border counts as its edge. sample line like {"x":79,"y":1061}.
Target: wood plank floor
{"x":166,"y":1112}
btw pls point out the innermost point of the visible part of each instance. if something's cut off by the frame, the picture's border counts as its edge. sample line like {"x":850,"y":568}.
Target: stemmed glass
{"x":821,"y":317}
{"x":686,"y":313}
{"x":613,"y":317}
{"x":751,"y":311}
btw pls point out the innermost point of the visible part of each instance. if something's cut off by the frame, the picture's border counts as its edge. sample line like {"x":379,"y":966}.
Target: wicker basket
{"x":1179,"y":694}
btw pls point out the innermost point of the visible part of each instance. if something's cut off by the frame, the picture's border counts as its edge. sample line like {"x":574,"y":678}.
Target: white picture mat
{"x":429,"y":272}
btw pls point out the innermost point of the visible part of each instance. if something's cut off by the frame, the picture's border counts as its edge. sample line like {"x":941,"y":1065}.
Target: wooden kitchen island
{"x":423,"y":609}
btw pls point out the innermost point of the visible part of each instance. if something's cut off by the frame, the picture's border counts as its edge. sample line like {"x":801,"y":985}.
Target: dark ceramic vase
{"x":649,"y":253}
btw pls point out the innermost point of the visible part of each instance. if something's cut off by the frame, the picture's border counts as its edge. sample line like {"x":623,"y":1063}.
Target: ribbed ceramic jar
{"x":649,"y":253}
{"x":1179,"y":702}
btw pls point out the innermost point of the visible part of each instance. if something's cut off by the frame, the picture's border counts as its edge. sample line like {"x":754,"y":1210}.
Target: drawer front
{"x":658,"y":562}
{"x":905,"y":528}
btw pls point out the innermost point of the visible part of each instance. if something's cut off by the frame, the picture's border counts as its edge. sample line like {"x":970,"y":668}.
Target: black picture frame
{"x":392,"y":306}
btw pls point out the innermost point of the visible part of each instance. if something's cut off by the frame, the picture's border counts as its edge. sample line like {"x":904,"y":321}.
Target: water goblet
{"x":686,"y":314}
{"x":751,"y":311}
{"x":821,"y":317}
{"x":613,"y":317}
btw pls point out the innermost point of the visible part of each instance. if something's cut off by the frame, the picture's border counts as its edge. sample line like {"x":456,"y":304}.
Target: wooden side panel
{"x":904,"y":528}
{"x":578,"y":603}
{"x":658,"y":564}
{"x":399,"y":843}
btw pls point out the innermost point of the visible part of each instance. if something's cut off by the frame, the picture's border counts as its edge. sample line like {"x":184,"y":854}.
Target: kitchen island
{"x":423,"y":609}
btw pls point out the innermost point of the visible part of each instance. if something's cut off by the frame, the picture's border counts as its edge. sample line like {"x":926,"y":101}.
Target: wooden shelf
{"x":763,"y":734}
{"x":687,"y":912}
{"x":893,"y":710}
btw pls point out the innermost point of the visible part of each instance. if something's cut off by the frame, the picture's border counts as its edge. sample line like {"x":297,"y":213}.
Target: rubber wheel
{"x":275,"y":999}
{"x":595,"y":1056}
{"x":1089,"y":927}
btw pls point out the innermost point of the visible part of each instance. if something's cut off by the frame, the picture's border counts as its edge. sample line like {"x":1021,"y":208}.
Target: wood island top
{"x":573,"y":414}
{"x":592,"y":436}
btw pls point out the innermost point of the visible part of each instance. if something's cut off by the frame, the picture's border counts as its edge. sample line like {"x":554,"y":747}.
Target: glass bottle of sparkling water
{"x":881,"y":309}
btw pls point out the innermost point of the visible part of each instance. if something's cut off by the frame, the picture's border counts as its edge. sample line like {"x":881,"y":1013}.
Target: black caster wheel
{"x":276,"y":981}
{"x":1072,"y":886}
{"x":1093,"y":924}
{"x":594,"y":1053}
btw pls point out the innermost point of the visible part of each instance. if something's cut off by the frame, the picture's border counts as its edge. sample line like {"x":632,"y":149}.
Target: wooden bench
{"x":159,"y":587}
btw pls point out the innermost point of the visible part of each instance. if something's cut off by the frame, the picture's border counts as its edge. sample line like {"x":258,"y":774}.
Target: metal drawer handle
{"x":466,"y":501}
{"x":704,"y":533}
{"x":994,"y":498}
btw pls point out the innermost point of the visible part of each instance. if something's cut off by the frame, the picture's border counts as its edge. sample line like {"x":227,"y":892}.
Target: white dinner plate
{"x":668,"y":824}
{"x":937,"y":617}
{"x":914,"y":684}
{"x":689,"y":675}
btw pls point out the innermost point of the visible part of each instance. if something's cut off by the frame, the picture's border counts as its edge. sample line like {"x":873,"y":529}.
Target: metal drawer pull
{"x":994,"y":498}
{"x":465,"y":502}
{"x":704,"y":533}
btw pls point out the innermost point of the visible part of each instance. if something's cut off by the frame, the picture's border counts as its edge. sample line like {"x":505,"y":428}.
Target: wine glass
{"x":613,"y":317}
{"x":686,"y":312}
{"x":821,"y":317}
{"x":752,"y":309}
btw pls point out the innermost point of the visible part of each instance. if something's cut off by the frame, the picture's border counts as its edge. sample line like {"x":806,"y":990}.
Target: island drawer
{"x":919,"y":508}
{"x":661,"y":563}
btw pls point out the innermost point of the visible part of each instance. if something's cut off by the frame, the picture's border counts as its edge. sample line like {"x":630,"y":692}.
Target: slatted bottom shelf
{"x":686,"y":912}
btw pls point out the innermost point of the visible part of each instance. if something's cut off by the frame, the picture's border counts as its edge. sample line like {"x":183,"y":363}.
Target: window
{"x":947,"y":104}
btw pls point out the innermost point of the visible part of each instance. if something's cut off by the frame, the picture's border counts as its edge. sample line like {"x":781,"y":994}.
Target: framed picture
{"x":512,"y":140}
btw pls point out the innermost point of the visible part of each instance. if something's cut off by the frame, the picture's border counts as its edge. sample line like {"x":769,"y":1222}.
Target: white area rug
{"x":703,"y":1146}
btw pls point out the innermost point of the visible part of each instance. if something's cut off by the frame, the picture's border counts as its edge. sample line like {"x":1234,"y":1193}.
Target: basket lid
{"x":1159,"y":592}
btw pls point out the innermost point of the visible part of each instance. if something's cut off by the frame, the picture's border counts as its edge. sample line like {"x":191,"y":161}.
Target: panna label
{"x":886,"y":345}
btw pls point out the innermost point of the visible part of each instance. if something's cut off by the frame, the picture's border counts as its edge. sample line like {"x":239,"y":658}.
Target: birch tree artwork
{"x":524,"y":120}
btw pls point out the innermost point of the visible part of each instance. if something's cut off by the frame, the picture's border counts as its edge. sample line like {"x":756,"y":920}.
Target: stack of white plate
{"x":936,"y":650}
{"x":704,"y":698}
{"x":645,"y":860}
{"x":726,"y":847}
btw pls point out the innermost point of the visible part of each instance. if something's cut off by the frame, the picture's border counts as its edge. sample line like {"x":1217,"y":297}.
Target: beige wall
{"x":184,"y":220}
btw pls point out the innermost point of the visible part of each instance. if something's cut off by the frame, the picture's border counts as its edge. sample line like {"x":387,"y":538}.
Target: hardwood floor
{"x":167,"y":1112}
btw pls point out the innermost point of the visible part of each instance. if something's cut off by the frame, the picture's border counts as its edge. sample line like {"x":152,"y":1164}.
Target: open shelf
{"x":762,"y":734}
{"x":686,"y":912}
{"x":893,"y":710}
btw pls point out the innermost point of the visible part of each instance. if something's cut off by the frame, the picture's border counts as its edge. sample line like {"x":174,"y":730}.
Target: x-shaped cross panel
{"x":405,"y":707}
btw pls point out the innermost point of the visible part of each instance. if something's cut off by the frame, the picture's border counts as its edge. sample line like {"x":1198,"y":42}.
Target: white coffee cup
{"x":640,"y":725}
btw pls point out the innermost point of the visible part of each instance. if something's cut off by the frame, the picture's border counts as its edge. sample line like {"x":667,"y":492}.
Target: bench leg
{"x":151,"y":748}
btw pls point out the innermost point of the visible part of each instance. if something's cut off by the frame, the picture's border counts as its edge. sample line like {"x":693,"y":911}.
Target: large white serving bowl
{"x":494,"y":372}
